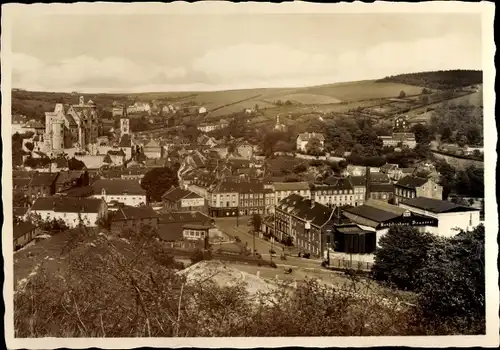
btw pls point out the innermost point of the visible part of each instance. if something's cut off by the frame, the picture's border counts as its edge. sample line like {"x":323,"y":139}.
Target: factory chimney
{"x":367,"y":183}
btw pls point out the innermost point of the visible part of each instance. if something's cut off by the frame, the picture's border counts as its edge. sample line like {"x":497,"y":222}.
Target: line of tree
{"x":449,"y":79}
{"x":448,"y":275}
{"x":127,"y":286}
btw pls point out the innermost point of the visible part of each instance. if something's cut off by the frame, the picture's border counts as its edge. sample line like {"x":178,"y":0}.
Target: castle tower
{"x":82,"y":101}
{"x":57,"y":135}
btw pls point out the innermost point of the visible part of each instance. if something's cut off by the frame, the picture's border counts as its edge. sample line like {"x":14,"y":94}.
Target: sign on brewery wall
{"x":413,"y":220}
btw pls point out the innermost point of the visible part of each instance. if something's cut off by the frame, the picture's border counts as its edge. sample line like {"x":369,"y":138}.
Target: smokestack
{"x":312,"y":203}
{"x":368,"y":183}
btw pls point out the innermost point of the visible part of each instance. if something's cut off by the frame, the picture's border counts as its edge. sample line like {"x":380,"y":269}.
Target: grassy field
{"x":324,"y":98}
{"x":362,"y":90}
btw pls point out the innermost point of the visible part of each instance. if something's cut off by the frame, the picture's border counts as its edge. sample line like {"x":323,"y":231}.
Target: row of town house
{"x":316,"y":228}
{"x":232,"y":197}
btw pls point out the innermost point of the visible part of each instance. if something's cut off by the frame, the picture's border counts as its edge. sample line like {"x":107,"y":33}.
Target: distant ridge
{"x":443,"y":79}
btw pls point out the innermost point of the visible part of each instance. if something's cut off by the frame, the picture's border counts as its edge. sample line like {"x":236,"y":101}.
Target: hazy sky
{"x":211,"y":52}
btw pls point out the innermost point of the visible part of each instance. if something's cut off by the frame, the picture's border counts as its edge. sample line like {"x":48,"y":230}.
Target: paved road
{"x":262,"y":246}
{"x":228,"y":226}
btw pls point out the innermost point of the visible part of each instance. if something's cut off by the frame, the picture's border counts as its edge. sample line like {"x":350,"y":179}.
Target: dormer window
{"x":103,"y":192}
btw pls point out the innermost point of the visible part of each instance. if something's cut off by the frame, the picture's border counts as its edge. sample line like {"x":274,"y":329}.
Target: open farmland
{"x":362,"y":90}
{"x":309,"y":99}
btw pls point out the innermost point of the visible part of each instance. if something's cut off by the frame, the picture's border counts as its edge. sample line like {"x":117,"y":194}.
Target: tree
{"x":75,"y":164}
{"x":402,"y":94}
{"x":402,"y":253}
{"x":255,"y":222}
{"x":462,"y":141}
{"x":422,"y":133}
{"x":452,"y":284}
{"x":446,"y":134}
{"x":282,"y":146}
{"x":299,"y":168}
{"x":357,"y":149}
{"x":474,"y":135}
{"x":157,"y":181}
{"x":313,"y":146}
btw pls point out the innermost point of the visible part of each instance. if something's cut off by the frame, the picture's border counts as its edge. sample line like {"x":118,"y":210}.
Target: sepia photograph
{"x":224,"y":171}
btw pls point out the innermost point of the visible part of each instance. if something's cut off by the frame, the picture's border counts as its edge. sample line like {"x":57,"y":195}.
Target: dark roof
{"x":19,"y":211}
{"x":67,"y":204}
{"x":387,"y":167}
{"x":43,"y":179}
{"x":22,"y":174}
{"x":79,"y":192}
{"x":371,"y":213}
{"x":125,"y":141}
{"x":382,"y":188}
{"x":334,"y":184}
{"x":171,"y":225}
{"x":116,"y":152}
{"x":131,"y":213}
{"x":175,"y":194}
{"x":240,"y":187}
{"x":70,"y":120}
{"x":69,"y":176}
{"x":357,"y":180}
{"x":436,"y":205}
{"x":379,"y":177}
{"x":197,"y":227}
{"x":412,"y":181}
{"x":61,"y":162}
{"x":118,"y":186}
{"x":20,"y":182}
{"x":350,"y":229}
{"x":301,"y":207}
{"x":22,"y":228}
{"x":238,"y":163}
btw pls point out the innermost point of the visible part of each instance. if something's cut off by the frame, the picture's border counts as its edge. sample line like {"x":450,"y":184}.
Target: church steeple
{"x":124,"y":113}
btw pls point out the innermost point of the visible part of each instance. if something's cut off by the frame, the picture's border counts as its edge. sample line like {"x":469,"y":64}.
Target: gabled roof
{"x":307,"y":136}
{"x":436,"y":206}
{"x":132,"y":213}
{"x":19,"y":211}
{"x":119,"y":153}
{"x":412,"y":181}
{"x":388,"y":167}
{"x":69,"y":176}
{"x":22,"y":228}
{"x":171,"y":225}
{"x":372,"y":213}
{"x":175,"y":194}
{"x":118,"y":187}
{"x":125,"y":141}
{"x":300,"y":207}
{"x":291,"y":186}
{"x":43,"y":179}
{"x":382,"y":188}
{"x":152,"y":144}
{"x":67,"y":204}
{"x":337,"y":184}
{"x":21,"y":182}
{"x":71,"y":120}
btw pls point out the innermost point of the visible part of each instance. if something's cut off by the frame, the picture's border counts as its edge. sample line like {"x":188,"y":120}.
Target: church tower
{"x":124,"y":123}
